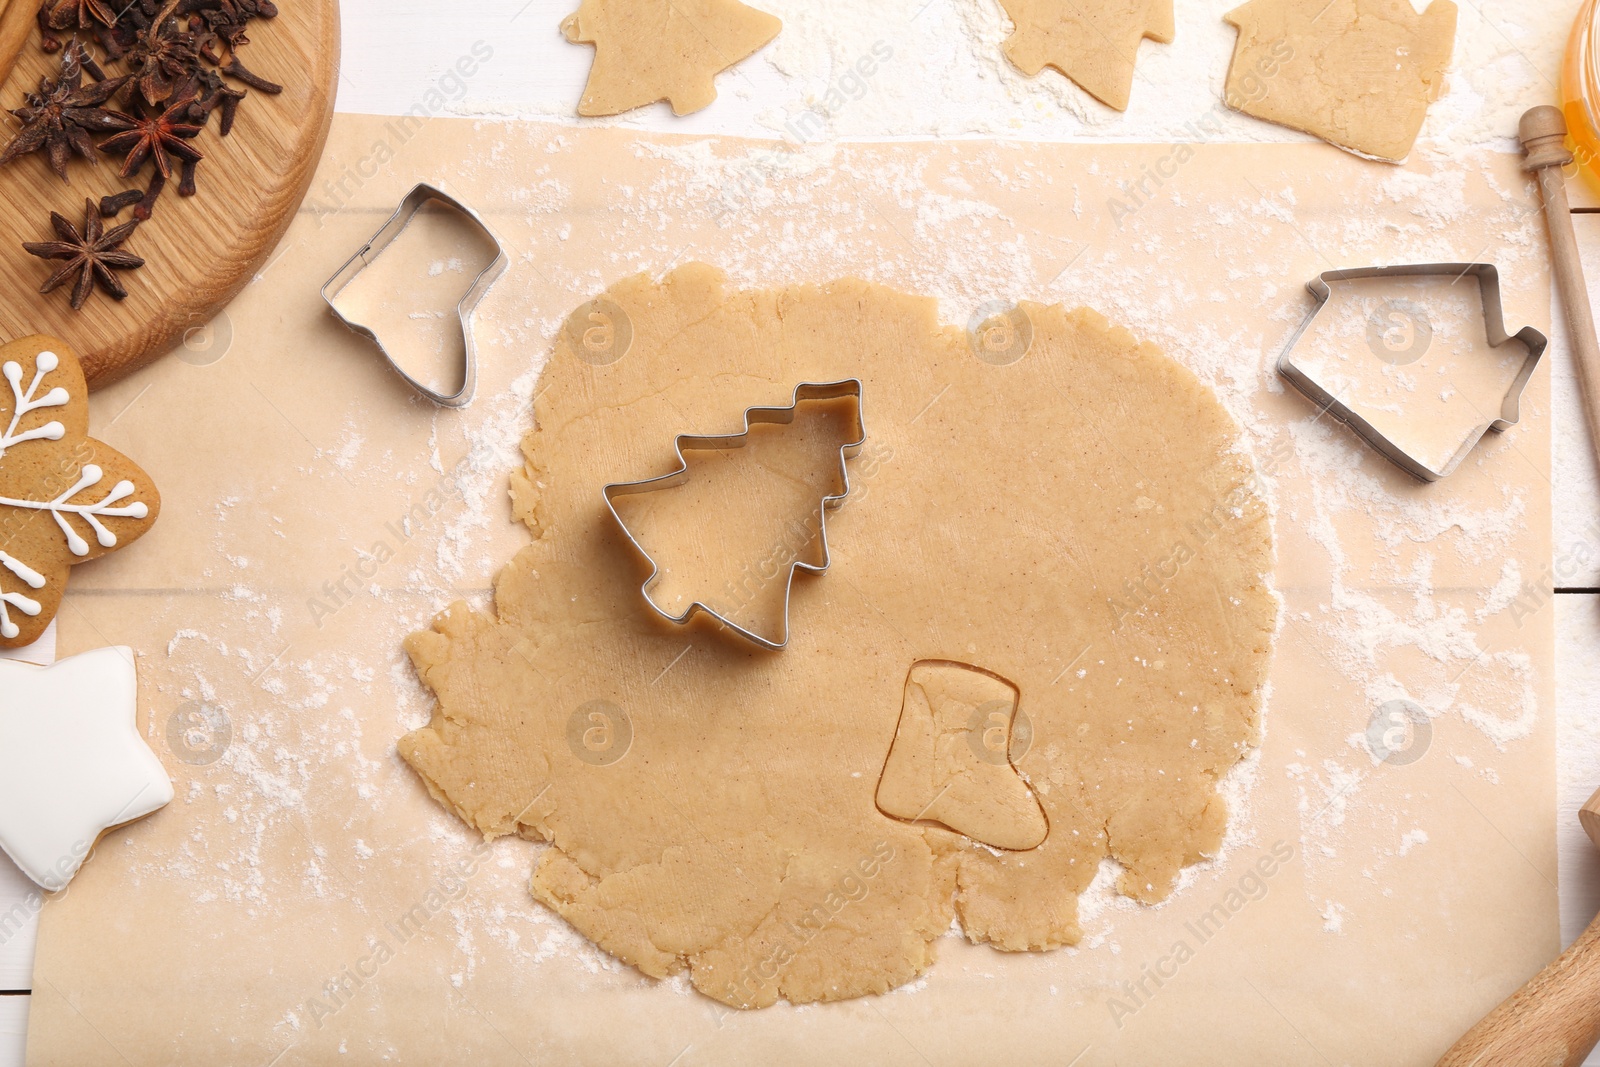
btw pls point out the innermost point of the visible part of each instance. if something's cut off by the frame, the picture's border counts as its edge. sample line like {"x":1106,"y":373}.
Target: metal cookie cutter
{"x":414,"y":202}
{"x":1494,"y":322}
{"x":688,"y":442}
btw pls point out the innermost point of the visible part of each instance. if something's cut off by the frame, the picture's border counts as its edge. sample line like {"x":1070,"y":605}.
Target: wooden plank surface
{"x":13,"y":1030}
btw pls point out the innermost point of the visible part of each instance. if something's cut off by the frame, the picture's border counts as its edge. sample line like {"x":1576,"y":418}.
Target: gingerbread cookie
{"x":64,"y":498}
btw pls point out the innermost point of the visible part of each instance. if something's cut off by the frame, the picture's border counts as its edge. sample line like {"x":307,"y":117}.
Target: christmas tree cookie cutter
{"x":418,"y":198}
{"x":753,"y":416}
{"x":1488,"y":277}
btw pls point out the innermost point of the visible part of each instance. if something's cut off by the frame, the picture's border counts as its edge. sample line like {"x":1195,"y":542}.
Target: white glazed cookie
{"x":72,"y":763}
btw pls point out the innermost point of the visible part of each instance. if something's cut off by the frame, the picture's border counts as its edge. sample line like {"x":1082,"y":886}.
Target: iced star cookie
{"x":64,"y":497}
{"x":72,"y":763}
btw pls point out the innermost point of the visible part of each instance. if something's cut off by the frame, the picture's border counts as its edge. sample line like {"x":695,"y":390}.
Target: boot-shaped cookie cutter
{"x":414,"y":202}
{"x":693,"y":443}
{"x":1495,"y":330}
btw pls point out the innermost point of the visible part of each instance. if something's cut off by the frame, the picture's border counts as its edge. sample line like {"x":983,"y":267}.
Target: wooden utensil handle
{"x":1543,"y":133}
{"x":16,"y":26}
{"x":1553,"y":1020}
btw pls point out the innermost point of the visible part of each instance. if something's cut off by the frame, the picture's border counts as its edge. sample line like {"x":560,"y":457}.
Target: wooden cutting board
{"x":199,"y":251}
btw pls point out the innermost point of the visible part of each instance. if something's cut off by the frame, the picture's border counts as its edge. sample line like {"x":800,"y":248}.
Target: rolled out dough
{"x":1077,"y":525}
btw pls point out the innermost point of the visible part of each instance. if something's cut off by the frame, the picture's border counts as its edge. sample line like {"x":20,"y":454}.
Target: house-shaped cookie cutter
{"x":1494,"y":322}
{"x":418,"y":198}
{"x":692,"y":443}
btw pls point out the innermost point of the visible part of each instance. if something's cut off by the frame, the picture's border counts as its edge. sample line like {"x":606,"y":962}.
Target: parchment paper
{"x":243,"y":924}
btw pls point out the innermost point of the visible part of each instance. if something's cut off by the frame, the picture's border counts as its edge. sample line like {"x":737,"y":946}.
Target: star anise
{"x":62,"y":114}
{"x":164,"y":57}
{"x":155,"y":134}
{"x":92,"y":255}
{"x":78,"y":14}
{"x":134,"y":18}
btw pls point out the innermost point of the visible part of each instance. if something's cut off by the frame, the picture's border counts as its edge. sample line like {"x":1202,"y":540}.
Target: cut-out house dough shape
{"x":1414,"y":358}
{"x":1093,"y":42}
{"x":1359,"y":74}
{"x":650,"y":50}
{"x":952,"y":758}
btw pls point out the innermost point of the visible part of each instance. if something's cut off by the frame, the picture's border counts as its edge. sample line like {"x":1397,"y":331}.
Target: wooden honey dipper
{"x":1554,"y":1020}
{"x":1543,"y":132}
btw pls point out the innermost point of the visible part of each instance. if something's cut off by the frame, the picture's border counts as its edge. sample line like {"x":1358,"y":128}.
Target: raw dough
{"x":1357,"y":73}
{"x":64,"y":498}
{"x":774,"y":518}
{"x":649,"y":50}
{"x":1093,"y":42}
{"x":953,"y":758}
{"x":1078,"y":523}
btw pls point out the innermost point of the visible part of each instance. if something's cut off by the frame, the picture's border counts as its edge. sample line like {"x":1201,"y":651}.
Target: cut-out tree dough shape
{"x":649,"y":50}
{"x":1082,"y":523}
{"x":1093,"y":42}
{"x":64,"y":498}
{"x":72,"y":763}
{"x":726,"y":531}
{"x":1360,"y":74}
{"x":951,"y":759}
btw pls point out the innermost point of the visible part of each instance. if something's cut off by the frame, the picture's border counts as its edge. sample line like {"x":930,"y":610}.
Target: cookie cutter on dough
{"x":414,"y":202}
{"x":1494,"y":322}
{"x":691,"y":442}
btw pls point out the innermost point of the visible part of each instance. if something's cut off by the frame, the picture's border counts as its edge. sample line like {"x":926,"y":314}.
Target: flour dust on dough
{"x":650,"y":50}
{"x":1360,"y":74}
{"x":1074,"y":532}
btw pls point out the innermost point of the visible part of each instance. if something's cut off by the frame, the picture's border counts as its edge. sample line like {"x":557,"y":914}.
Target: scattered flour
{"x":945,"y":77}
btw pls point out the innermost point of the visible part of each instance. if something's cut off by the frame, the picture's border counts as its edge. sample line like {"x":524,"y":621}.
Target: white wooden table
{"x":397,"y":52}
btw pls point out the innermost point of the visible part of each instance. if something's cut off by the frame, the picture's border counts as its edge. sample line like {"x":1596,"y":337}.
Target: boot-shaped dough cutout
{"x":951,"y":761}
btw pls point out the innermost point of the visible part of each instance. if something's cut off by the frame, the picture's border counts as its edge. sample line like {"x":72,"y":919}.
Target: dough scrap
{"x":1360,"y":74}
{"x":1079,"y":523}
{"x":649,"y":50}
{"x":1093,"y":42}
{"x":951,"y":758}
